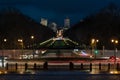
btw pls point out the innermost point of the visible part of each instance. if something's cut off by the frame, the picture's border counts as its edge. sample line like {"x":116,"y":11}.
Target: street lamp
{"x":4,"y":40}
{"x":94,"y":45}
{"x":115,"y":42}
{"x":21,"y":42}
{"x":32,"y":37}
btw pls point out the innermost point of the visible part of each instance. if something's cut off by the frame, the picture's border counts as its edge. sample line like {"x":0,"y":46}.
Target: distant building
{"x":66,"y":23}
{"x":44,"y":22}
{"x":53,"y":26}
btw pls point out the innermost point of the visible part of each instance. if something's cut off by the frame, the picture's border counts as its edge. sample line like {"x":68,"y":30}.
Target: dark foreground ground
{"x":60,"y":75}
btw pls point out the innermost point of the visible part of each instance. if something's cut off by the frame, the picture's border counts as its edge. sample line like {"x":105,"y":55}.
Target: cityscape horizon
{"x":59,"y":39}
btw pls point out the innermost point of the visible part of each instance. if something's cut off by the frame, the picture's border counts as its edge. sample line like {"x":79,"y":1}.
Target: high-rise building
{"x":67,"y":23}
{"x":44,"y":22}
{"x":53,"y":26}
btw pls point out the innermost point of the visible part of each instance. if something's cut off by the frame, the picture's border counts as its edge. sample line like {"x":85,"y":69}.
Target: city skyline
{"x":58,"y":10}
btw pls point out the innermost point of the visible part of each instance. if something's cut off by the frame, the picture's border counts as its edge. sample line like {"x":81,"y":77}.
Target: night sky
{"x":57,"y":10}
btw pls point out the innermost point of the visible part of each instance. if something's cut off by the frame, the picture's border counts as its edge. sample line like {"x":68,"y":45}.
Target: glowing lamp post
{"x":32,"y":37}
{"x":21,"y":42}
{"x":4,"y":40}
{"x":115,"y":42}
{"x":94,"y":46}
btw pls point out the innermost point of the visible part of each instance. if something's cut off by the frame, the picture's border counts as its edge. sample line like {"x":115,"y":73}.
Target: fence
{"x":64,"y":66}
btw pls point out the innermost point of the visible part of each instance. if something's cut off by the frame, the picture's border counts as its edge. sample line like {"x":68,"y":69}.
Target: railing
{"x":63,"y":66}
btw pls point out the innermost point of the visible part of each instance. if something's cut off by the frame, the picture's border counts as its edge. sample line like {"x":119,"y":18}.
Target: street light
{"x":21,"y":42}
{"x":115,"y":42}
{"x":4,"y":40}
{"x":32,"y":37}
{"x":94,"y":45}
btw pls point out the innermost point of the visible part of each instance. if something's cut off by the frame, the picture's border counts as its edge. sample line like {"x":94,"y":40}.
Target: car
{"x":112,"y":58}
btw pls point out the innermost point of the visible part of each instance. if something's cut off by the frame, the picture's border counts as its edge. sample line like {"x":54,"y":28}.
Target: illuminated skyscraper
{"x":44,"y":22}
{"x":66,"y":23}
{"x":53,"y":26}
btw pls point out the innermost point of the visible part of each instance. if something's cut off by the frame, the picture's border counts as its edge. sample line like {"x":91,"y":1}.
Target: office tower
{"x":67,"y":23}
{"x":44,"y":22}
{"x":53,"y":26}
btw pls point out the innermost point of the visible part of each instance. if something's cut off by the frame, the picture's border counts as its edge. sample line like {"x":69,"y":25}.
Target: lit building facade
{"x":44,"y":22}
{"x":53,"y":26}
{"x":66,"y":23}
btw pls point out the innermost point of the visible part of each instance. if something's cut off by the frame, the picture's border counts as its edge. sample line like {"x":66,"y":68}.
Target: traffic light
{"x":96,"y":51}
